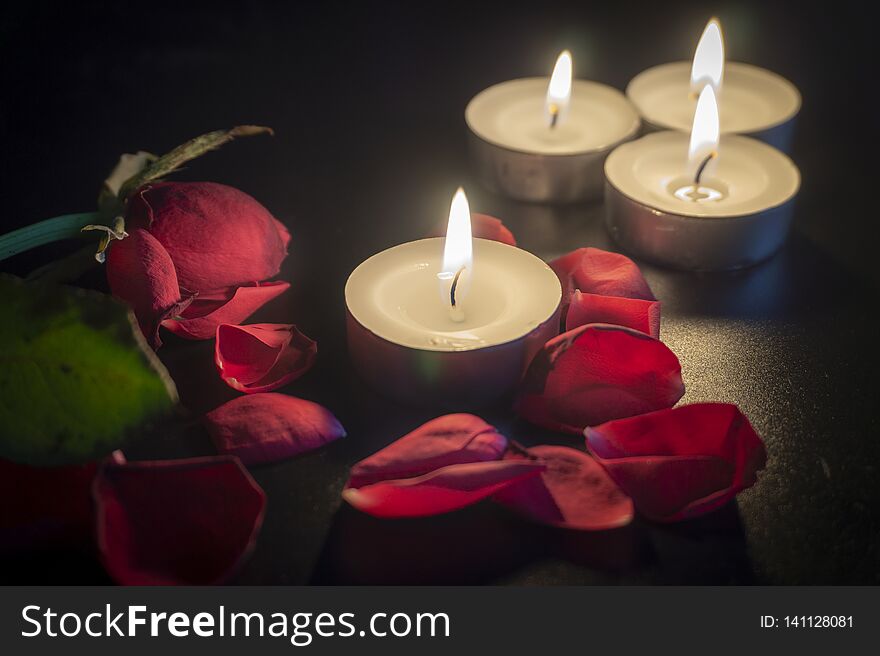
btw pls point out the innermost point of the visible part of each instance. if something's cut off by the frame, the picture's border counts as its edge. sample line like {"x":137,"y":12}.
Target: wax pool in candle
{"x":519,"y":150}
{"x":405,"y":342}
{"x":738,"y":214}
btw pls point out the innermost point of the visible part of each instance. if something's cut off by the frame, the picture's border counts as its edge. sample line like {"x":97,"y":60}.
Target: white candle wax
{"x":752,"y":101}
{"x":518,"y":153}
{"x":404,"y":341}
{"x":739,"y":216}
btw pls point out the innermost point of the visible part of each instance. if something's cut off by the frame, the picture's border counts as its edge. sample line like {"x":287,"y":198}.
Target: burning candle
{"x":753,"y":101}
{"x":546,"y":141}
{"x":704,"y":202}
{"x":449,"y":322}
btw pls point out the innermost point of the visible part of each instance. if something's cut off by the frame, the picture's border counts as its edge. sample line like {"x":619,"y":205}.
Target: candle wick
{"x":454,"y":285}
{"x":554,"y":115}
{"x":702,"y":167}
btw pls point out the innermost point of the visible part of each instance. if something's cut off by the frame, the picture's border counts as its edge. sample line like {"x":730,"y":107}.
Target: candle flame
{"x":559,"y":89}
{"x":458,"y":249}
{"x":708,"y":65}
{"x":706,"y":130}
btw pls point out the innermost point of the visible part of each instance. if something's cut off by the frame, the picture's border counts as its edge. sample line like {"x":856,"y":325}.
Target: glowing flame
{"x":458,"y":252}
{"x":705,"y":132}
{"x":559,"y":89}
{"x":708,"y":65}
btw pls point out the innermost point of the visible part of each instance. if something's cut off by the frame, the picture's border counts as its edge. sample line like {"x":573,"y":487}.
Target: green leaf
{"x":76,"y":376}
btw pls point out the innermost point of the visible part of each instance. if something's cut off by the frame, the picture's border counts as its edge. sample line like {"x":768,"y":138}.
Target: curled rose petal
{"x":484,"y":226}
{"x":172,"y":522}
{"x":594,"y":271}
{"x":573,"y":491}
{"x":634,"y":313}
{"x":42,"y":506}
{"x":261,"y":357}
{"x":682,"y":462}
{"x":261,"y":428}
{"x":231,"y":305}
{"x":440,"y":491}
{"x":216,"y":235}
{"x":595,"y":373}
{"x":447,"y":440}
{"x":141,"y":273}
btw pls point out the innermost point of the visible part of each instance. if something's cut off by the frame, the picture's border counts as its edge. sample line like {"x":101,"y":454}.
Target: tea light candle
{"x":450,"y":322}
{"x":709,"y":204}
{"x":542,"y":141}
{"x":753,"y":101}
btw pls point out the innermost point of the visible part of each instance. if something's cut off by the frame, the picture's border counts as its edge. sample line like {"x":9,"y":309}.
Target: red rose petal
{"x":682,"y":462}
{"x":141,"y":273}
{"x":573,"y":492}
{"x":261,"y":357}
{"x":594,"y":271}
{"x":176,"y":521}
{"x":261,"y":428}
{"x":447,"y":440}
{"x":216,"y":235}
{"x":42,"y":506}
{"x":484,"y":226}
{"x":440,"y":491}
{"x":231,"y":305}
{"x":595,"y":373}
{"x":634,"y":313}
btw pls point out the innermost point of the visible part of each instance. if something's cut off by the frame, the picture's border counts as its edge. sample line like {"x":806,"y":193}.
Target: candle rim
{"x":731,"y":69}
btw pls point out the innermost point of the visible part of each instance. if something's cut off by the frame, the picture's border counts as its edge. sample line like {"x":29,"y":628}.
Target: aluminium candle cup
{"x":403,"y":344}
{"x":516,"y":153}
{"x":748,"y":223}
{"x":752,"y":101}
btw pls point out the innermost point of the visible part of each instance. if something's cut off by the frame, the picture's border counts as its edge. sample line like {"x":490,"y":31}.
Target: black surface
{"x":367,"y":102}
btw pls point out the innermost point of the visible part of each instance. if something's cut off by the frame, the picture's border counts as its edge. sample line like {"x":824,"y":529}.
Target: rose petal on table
{"x":189,"y":522}
{"x":594,"y":271}
{"x":231,"y":305}
{"x":634,"y":313}
{"x":218,"y":236}
{"x":45,"y":506}
{"x":483,"y":226}
{"x":141,"y":273}
{"x":261,"y":357}
{"x":447,"y":440}
{"x":440,"y":491}
{"x":261,"y":428}
{"x":681,"y":462}
{"x":573,"y":491}
{"x":595,"y":373}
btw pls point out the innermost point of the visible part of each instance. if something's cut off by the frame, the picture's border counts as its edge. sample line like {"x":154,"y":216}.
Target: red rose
{"x":192,"y":239}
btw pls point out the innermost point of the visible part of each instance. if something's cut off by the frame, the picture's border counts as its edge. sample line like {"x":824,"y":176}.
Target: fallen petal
{"x":261,"y":357}
{"x":595,"y":271}
{"x":141,"y":273}
{"x":174,"y":522}
{"x":634,"y":313}
{"x":573,"y":491}
{"x":440,"y":491}
{"x":231,"y":305}
{"x":595,"y":373}
{"x":681,"y":462}
{"x":45,"y":506}
{"x":484,"y":226}
{"x":261,"y":428}
{"x":447,"y":440}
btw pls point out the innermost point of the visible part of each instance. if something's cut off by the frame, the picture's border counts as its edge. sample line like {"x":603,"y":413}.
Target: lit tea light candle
{"x":546,"y":141}
{"x":449,"y":322}
{"x":708,"y":202}
{"x":753,"y":101}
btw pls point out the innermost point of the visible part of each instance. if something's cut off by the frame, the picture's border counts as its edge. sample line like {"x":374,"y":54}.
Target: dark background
{"x":367,"y":101}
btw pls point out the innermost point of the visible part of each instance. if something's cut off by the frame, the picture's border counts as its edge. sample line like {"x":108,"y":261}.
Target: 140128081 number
{"x":818,"y":621}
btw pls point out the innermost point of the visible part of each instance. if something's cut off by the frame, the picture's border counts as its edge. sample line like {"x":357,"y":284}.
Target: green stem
{"x":44,"y":232}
